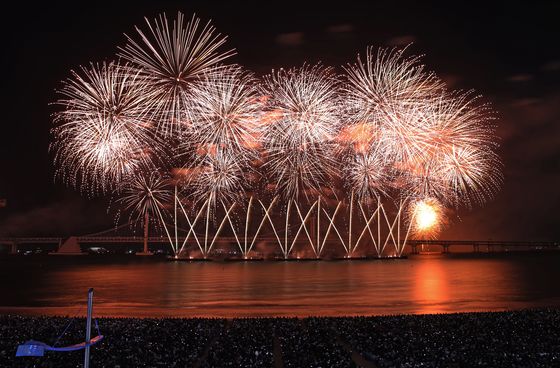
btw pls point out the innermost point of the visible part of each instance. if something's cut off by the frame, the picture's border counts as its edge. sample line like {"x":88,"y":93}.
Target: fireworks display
{"x":303,"y":111}
{"x":384,"y":131}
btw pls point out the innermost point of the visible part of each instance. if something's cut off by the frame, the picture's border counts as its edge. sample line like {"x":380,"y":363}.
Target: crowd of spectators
{"x":243,"y":343}
{"x":310,"y":342}
{"x":529,"y":338}
{"x":127,"y":342}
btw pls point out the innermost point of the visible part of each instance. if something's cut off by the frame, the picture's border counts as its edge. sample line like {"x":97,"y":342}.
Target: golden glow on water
{"x":431,"y":287}
{"x":148,"y":287}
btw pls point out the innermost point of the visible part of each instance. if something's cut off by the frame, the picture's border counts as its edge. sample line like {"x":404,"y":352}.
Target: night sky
{"x":508,"y":52}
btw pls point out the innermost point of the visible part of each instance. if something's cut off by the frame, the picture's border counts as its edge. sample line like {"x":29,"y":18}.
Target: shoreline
{"x":255,"y":311}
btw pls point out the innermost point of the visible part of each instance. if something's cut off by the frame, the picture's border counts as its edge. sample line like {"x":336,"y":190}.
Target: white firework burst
{"x":220,"y":179}
{"x":171,"y":58}
{"x":368,"y":175}
{"x":387,"y":80}
{"x":224,"y":113}
{"x":302,"y":120}
{"x":102,"y":134}
{"x":146,"y":193}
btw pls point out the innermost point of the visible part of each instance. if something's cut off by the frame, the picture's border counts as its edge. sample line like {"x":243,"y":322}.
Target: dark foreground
{"x":529,"y":338}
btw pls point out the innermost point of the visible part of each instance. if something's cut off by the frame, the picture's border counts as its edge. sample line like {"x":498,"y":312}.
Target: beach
{"x":526,"y":338}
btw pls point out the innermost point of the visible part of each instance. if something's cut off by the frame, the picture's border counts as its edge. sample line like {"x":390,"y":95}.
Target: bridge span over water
{"x":72,"y":245}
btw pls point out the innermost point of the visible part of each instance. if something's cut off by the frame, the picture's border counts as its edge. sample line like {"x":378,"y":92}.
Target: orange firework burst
{"x":428,"y":218}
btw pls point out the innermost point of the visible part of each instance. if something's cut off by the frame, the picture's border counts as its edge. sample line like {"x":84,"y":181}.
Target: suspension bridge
{"x":120,"y":235}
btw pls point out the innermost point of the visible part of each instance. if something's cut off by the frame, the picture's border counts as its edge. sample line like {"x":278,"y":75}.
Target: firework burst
{"x":428,"y":218}
{"x":224,"y":113}
{"x":368,"y":174}
{"x":438,"y":144}
{"x":472,"y":173}
{"x":145,"y":194}
{"x":220,"y":178}
{"x":171,"y":58}
{"x":102,"y":134}
{"x":452,"y":156}
{"x":383,"y":97}
{"x":304,"y":106}
{"x":385,"y":81}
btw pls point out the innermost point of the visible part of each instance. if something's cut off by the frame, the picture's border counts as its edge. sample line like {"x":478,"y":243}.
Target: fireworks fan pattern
{"x":171,"y":57}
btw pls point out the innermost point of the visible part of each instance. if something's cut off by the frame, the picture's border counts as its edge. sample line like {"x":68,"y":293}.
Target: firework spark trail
{"x":221,"y":179}
{"x":224,"y":113}
{"x":299,"y":141}
{"x":367,"y":174}
{"x":171,"y":58}
{"x":102,"y":135}
{"x":145,"y":194}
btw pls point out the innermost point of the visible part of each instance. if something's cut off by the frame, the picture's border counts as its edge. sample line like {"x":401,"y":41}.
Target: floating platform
{"x":250,"y":259}
{"x":188,"y":259}
{"x":368,"y":258}
{"x":296,"y":259}
{"x":68,"y":254}
{"x":144,"y":253}
{"x":261,"y":259}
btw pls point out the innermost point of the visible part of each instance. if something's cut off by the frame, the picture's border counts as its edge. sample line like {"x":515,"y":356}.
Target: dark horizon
{"x":506,"y":52}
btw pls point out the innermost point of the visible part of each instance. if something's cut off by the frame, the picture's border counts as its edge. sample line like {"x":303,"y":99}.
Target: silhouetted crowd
{"x":529,"y":338}
{"x":311,"y":342}
{"x":243,"y":343}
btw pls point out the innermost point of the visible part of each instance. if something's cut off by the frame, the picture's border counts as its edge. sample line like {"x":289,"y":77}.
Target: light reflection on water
{"x":136,"y":286}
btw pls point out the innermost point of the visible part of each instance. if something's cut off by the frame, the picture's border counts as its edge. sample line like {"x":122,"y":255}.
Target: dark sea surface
{"x":136,"y":286}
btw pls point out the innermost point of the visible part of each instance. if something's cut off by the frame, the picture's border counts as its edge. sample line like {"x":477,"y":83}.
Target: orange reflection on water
{"x":431,"y":287}
{"x":141,"y":287}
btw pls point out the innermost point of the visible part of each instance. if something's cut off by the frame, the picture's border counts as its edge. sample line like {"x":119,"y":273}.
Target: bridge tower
{"x":146,"y":250}
{"x":69,"y":247}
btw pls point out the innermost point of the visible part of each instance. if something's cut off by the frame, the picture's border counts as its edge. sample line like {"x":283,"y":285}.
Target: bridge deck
{"x":109,"y":240}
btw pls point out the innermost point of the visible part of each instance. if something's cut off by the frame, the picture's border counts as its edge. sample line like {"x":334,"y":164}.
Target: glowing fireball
{"x":426,"y":216}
